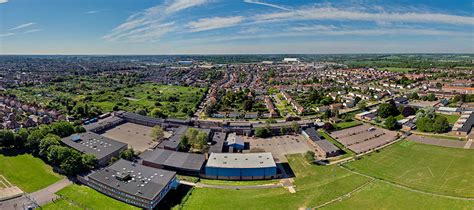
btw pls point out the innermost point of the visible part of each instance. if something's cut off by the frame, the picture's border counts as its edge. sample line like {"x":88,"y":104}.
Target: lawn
{"x":429,"y":168}
{"x":312,"y":183}
{"x":27,"y":172}
{"x":451,"y":118}
{"x":343,"y":125}
{"x":379,"y":195}
{"x":83,"y":197}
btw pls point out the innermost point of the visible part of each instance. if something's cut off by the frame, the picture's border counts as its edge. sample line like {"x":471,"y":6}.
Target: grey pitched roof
{"x":218,"y":142}
{"x":92,"y":143}
{"x":183,"y":160}
{"x":327,"y":146}
{"x":467,"y":126}
{"x":175,"y":139}
{"x":144,"y":181}
{"x":312,"y":133}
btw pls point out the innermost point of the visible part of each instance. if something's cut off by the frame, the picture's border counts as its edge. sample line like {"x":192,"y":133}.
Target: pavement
{"x":38,"y":198}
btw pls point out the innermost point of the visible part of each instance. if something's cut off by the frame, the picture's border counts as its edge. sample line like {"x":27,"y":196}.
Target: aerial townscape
{"x":247,"y":119}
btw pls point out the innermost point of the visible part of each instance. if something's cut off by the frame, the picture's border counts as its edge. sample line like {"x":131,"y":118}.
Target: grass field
{"x":175,"y":101}
{"x":82,"y":197}
{"x":27,"y":172}
{"x":430,"y":168}
{"x":312,"y":184}
{"x":379,"y":195}
{"x":343,"y":125}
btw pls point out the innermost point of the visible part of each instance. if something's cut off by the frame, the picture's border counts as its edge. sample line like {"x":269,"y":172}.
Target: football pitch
{"x":433,"y":169}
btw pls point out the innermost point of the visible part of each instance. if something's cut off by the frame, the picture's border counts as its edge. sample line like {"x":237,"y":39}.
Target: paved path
{"x":40,"y":197}
{"x":468,"y":144}
{"x":201,"y":185}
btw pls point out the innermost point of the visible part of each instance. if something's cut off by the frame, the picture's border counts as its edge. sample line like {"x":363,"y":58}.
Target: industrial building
{"x":217,"y":144}
{"x":238,"y":166}
{"x":132,"y":183}
{"x":101,"y":147}
{"x":324,"y":148}
{"x":184,"y":163}
{"x":173,"y":142}
{"x":235,"y":142}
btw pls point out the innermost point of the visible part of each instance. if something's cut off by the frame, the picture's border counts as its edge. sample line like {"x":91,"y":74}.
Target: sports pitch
{"x":434,"y":169}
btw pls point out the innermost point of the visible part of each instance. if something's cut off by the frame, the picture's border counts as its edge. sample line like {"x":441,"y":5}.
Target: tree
{"x":295,"y":127}
{"x":408,"y":111}
{"x":201,"y":141}
{"x":62,"y":128}
{"x":7,"y":138}
{"x":128,"y":154}
{"x":56,"y":154}
{"x":391,"y":123}
{"x":262,"y":132}
{"x":46,"y":142}
{"x":183,"y":144}
{"x":72,"y":164}
{"x":283,"y":130}
{"x":440,"y":124}
{"x":89,"y":161}
{"x":20,"y":137}
{"x":387,"y":109}
{"x":309,"y":156}
{"x":157,"y":133}
{"x":34,"y":139}
{"x":158,"y":113}
{"x":328,"y":126}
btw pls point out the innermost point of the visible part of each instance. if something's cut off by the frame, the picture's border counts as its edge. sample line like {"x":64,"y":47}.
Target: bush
{"x":309,"y":156}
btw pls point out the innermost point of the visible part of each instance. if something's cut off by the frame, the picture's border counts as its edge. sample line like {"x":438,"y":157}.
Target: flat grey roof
{"x":241,"y":160}
{"x":218,"y":142}
{"x":134,"y":116}
{"x":92,"y":143}
{"x":104,"y":122}
{"x":182,"y":160}
{"x":233,"y":139}
{"x":145,"y":182}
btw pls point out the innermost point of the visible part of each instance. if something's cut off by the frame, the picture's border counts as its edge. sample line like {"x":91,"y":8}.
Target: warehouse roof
{"x":182,"y":160}
{"x":175,"y":139}
{"x":218,"y":142}
{"x":233,"y":139}
{"x":326,"y":146}
{"x":241,"y":160}
{"x":135,"y":179}
{"x":92,"y":143}
{"x":467,"y":126}
{"x":312,"y":134}
{"x":133,"y":116}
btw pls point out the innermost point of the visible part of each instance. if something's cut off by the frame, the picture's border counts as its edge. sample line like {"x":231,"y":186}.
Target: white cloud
{"x":179,"y":5}
{"x":32,"y":31}
{"x":3,"y":1}
{"x":21,"y":26}
{"x":313,"y":28}
{"x":7,"y":34}
{"x":152,"y":23}
{"x":266,"y":4}
{"x":344,"y":32}
{"x":204,"y":24}
{"x":332,"y":13}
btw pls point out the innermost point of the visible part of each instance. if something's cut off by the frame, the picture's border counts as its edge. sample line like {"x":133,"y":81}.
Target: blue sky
{"x":235,"y":26}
